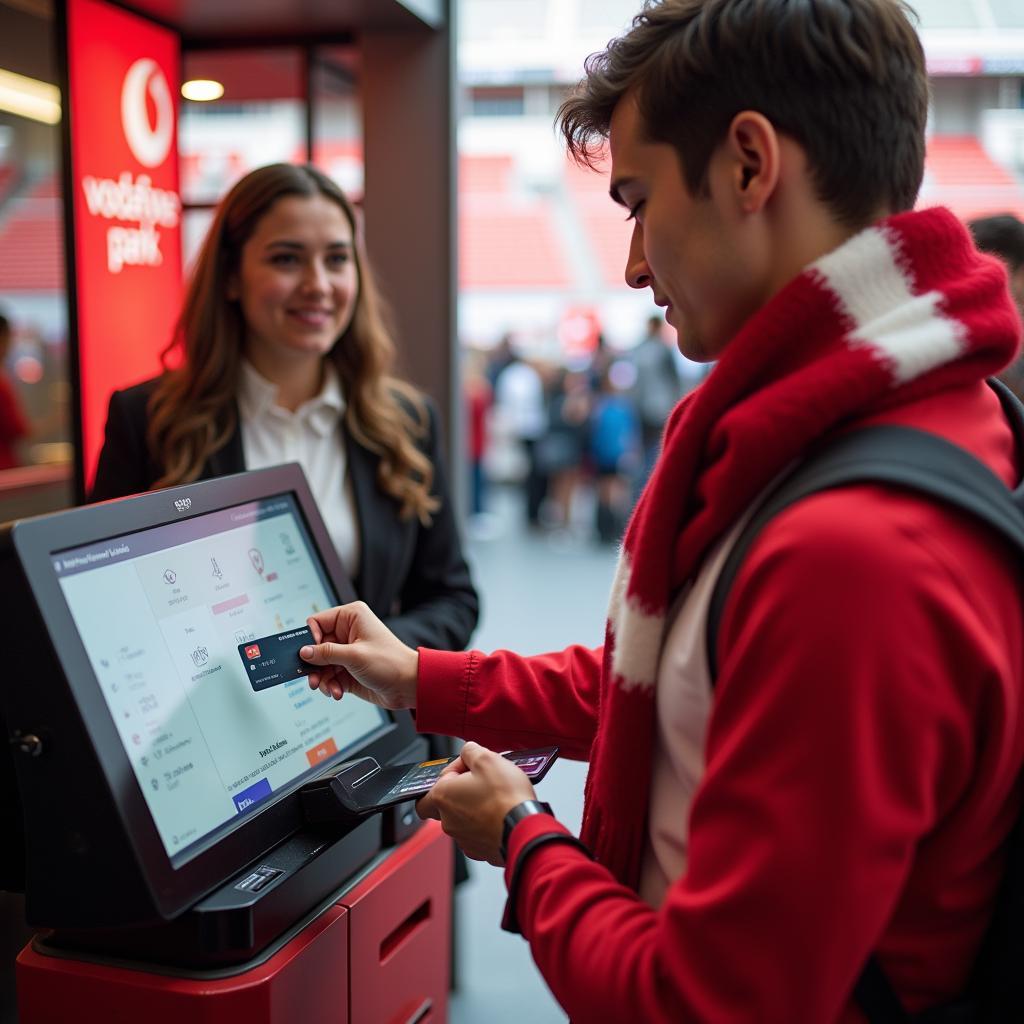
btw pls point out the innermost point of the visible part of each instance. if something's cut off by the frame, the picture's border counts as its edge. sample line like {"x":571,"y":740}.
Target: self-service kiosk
{"x":158,"y":792}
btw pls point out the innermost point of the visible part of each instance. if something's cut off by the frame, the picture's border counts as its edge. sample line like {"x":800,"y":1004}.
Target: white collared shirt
{"x":272,"y":435}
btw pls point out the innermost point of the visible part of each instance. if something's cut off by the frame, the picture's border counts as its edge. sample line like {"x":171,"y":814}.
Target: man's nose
{"x":638,"y":273}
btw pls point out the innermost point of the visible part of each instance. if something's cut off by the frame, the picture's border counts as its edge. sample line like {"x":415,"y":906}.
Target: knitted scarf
{"x":903,"y":309}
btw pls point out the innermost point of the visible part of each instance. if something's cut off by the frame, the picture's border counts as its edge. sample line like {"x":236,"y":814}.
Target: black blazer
{"x":414,"y":577}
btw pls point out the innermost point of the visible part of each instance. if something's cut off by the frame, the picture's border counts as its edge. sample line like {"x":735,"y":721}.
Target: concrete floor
{"x":539,"y":593}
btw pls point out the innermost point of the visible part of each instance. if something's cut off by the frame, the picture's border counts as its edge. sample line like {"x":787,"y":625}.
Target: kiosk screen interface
{"x":193,"y":629}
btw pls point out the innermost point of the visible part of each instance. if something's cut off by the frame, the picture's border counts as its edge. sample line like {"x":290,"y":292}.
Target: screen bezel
{"x":175,"y":888}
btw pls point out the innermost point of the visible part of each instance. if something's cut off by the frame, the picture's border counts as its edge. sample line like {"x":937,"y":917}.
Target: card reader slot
{"x":400,"y":935}
{"x":372,"y":769}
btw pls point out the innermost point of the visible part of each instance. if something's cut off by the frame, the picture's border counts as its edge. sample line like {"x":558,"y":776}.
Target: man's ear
{"x":752,"y":148}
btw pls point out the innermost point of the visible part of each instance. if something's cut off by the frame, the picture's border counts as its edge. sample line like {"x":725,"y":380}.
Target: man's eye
{"x":634,"y":211}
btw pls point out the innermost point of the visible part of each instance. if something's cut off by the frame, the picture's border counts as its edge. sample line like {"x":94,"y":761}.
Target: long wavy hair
{"x":193,"y":410}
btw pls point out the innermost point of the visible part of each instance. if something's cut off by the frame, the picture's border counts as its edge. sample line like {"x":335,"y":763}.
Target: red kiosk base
{"x":379,"y":955}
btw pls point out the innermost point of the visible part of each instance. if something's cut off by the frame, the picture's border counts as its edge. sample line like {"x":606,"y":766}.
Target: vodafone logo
{"x":149,"y":144}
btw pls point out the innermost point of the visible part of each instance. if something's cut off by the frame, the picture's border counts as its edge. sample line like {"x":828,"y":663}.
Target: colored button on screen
{"x":252,"y":795}
{"x":321,"y":752}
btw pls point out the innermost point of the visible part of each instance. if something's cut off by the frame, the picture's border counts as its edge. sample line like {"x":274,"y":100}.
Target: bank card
{"x":274,"y":659}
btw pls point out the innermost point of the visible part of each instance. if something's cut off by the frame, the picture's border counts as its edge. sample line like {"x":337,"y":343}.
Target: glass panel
{"x":259,"y":120}
{"x":337,"y":118}
{"x":34,"y":395}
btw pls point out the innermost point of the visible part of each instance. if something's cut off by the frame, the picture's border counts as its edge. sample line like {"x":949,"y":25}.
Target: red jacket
{"x":862,"y":757}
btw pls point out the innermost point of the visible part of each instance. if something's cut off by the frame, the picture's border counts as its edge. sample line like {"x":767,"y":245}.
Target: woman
{"x":282,"y":354}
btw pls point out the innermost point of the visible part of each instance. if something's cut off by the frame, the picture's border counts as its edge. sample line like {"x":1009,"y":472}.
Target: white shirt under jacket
{"x":310,"y":436}
{"x":683,"y":702}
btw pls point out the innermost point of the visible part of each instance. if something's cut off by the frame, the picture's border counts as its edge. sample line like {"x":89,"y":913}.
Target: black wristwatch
{"x":516,"y":815}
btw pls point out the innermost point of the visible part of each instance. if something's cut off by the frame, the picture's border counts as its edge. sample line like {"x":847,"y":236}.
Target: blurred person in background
{"x":282,"y":353}
{"x":478,"y":395}
{"x":601,"y":358}
{"x":655,"y":393}
{"x":500,"y":356}
{"x":1002,"y":235}
{"x":562,"y":451}
{"x":14,"y":425}
{"x":615,"y":449}
{"x":520,"y":401}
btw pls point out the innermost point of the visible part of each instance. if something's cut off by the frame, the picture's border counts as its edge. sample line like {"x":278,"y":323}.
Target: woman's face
{"x":297,"y":281}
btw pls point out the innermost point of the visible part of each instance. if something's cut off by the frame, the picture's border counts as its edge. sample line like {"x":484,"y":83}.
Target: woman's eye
{"x":283,"y":259}
{"x":634,"y":211}
{"x":337,"y":259}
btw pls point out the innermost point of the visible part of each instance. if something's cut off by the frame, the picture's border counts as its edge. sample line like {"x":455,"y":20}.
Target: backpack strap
{"x":901,"y":456}
{"x":911,"y":459}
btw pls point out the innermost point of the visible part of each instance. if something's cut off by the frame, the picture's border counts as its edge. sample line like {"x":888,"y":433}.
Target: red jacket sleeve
{"x":855,"y":654}
{"x":506,"y":701}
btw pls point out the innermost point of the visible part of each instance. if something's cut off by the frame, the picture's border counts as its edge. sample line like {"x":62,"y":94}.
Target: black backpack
{"x":919,"y":461}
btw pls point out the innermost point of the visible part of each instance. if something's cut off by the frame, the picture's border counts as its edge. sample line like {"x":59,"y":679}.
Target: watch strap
{"x":516,"y":815}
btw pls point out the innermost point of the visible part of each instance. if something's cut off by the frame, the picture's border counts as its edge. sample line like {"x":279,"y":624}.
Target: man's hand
{"x":362,"y":656}
{"x":472,"y":797}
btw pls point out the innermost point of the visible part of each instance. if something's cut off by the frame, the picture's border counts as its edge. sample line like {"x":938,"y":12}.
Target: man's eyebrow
{"x":616,"y":189}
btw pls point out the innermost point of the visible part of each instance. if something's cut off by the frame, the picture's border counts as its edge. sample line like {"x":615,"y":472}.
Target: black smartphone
{"x":362,"y":787}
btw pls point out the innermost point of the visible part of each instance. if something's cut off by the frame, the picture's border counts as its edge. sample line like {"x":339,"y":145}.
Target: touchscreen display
{"x":166,"y":616}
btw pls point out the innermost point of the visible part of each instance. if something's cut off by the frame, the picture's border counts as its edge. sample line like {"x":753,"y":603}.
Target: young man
{"x":1002,"y":235}
{"x":845,"y":787}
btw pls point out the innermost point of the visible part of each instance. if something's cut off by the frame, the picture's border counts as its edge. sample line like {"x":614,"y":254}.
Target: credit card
{"x":274,"y":659}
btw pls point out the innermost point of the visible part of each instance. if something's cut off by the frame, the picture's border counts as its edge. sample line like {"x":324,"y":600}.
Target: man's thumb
{"x":325,"y":654}
{"x":471,"y":754}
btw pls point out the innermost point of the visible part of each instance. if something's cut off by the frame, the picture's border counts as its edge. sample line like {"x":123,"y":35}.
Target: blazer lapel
{"x":230,"y":458}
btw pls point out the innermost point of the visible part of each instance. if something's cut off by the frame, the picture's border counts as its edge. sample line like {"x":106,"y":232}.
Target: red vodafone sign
{"x":123,"y":73}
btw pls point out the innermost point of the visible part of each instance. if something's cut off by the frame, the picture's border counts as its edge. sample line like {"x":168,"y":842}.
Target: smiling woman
{"x":282,"y":354}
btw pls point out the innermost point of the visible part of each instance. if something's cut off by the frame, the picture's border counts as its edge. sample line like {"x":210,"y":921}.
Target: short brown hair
{"x":844,"y":78}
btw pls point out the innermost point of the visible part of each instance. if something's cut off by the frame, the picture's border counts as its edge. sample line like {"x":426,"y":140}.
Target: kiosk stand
{"x":378,"y":954}
{"x":159,"y":780}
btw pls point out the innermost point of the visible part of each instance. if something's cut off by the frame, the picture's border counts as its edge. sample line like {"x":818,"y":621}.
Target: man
{"x":655,"y":392}
{"x":846,"y":786}
{"x":1002,"y":235}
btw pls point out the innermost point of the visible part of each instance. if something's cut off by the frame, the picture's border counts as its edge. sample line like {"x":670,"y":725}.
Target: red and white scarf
{"x":903,"y":309}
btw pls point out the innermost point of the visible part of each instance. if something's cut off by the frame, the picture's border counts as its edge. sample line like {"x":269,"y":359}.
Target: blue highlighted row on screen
{"x":253,"y":795}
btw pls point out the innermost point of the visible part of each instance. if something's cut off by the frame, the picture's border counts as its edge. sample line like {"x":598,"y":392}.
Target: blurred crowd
{"x":578,"y":438}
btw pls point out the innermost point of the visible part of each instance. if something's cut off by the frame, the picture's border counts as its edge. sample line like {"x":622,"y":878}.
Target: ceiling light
{"x":202,"y":90}
{"x":28,"y":97}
